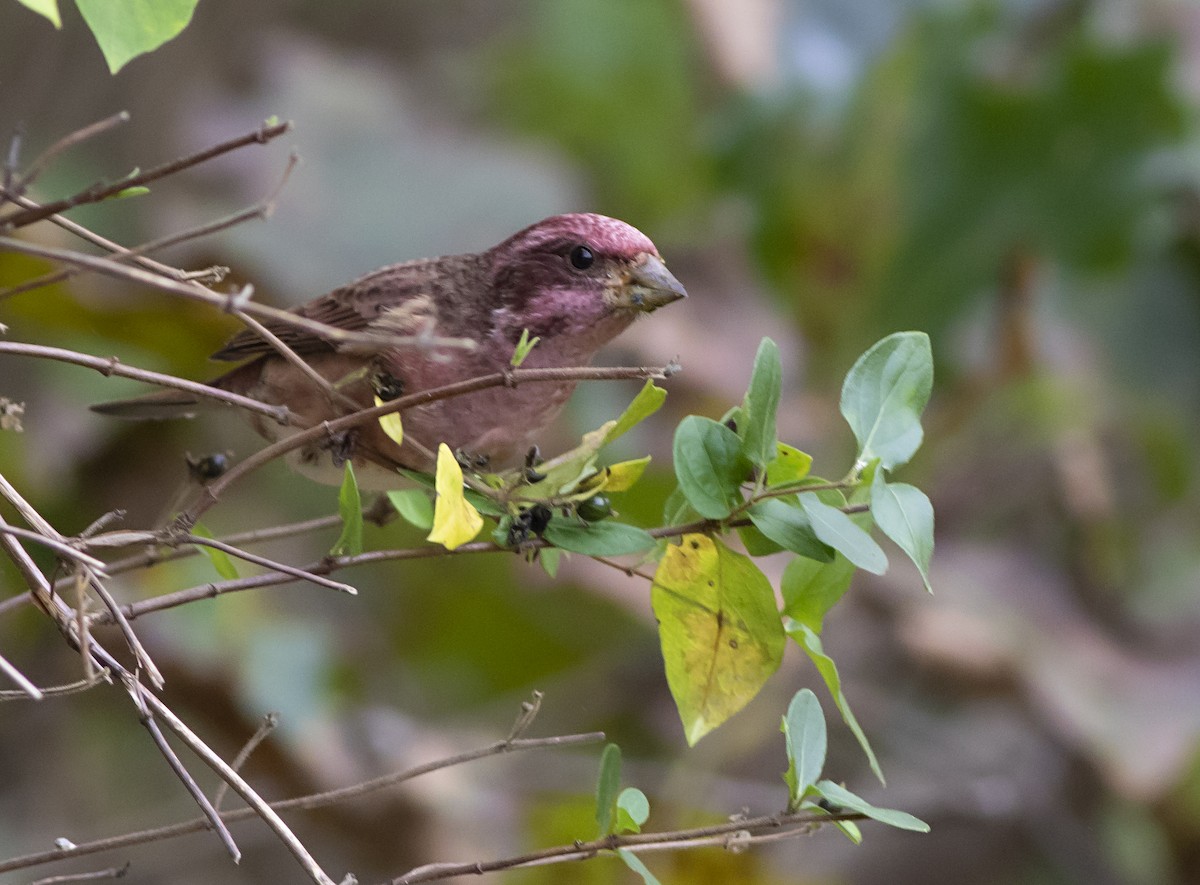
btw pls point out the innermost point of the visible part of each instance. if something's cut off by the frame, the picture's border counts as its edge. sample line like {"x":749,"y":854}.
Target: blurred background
{"x":1019,"y":178}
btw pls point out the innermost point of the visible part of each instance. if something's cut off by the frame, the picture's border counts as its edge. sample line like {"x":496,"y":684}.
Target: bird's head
{"x":579,"y":274}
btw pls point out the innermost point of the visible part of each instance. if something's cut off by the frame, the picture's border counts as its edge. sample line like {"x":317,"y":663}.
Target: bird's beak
{"x":649,"y":285}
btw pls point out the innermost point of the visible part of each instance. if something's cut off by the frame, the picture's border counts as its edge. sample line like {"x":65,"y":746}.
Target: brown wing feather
{"x":352,"y":307}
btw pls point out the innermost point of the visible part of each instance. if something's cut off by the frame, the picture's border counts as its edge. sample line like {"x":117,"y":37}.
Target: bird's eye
{"x":581,"y":257}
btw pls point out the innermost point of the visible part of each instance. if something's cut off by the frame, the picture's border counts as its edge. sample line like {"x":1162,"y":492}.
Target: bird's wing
{"x":354,"y":308}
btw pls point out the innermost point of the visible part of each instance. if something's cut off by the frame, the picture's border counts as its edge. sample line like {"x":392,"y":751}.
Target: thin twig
{"x":68,"y":141}
{"x":28,"y":689}
{"x":101,"y":678}
{"x":261,"y":210}
{"x":110,"y":873}
{"x":112,"y":366}
{"x":98,"y":192}
{"x":303,"y":802}
{"x":269,"y":723}
{"x":801,"y":821}
{"x":64,"y":549}
{"x":138,"y":693}
{"x":298,"y":573}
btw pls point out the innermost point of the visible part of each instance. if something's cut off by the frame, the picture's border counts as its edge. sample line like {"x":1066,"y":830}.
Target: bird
{"x":573,"y":282}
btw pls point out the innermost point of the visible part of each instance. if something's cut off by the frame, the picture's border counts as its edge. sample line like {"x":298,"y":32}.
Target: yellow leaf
{"x":621,"y":476}
{"x":720,"y":632}
{"x":391,"y":425}
{"x":455,"y":521}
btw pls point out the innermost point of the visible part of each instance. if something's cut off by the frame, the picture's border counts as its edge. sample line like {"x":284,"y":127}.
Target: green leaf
{"x":843,"y":798}
{"x":125,"y":193}
{"x":757,"y":425}
{"x":635,"y":863}
{"x":804,"y":736}
{"x":523,"y":347}
{"x":721,"y":635}
{"x":756,"y":543}
{"x":811,"y":643}
{"x":47,"y":8}
{"x":350,"y":542}
{"x":414,"y":507}
{"x":789,"y":527}
{"x":549,"y":558}
{"x":632,"y":810}
{"x":607,"y":784}
{"x":607,"y":538}
{"x":838,"y":531}
{"x":810,"y":589}
{"x":126,"y":29}
{"x":219,"y":558}
{"x":789,"y":465}
{"x":677,"y":510}
{"x":648,"y":401}
{"x":904,"y":514}
{"x":710,"y":466}
{"x":884,"y":394}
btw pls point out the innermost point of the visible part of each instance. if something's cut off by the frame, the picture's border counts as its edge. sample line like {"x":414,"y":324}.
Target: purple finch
{"x":572,"y":281}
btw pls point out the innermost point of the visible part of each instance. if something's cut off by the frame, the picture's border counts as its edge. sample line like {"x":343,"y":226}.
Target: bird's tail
{"x":158,"y":406}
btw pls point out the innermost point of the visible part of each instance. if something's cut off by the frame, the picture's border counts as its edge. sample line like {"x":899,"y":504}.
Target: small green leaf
{"x":789,"y":527}
{"x":607,"y":784}
{"x":756,"y":543}
{"x":219,"y":558}
{"x":126,"y":29}
{"x":350,"y":542}
{"x":904,"y":514}
{"x":648,"y":401}
{"x":606,"y":538}
{"x":720,"y":632}
{"x":810,"y":589}
{"x":47,"y":8}
{"x":549,"y":558}
{"x":811,"y":643}
{"x":805,"y":738}
{"x":710,"y":466}
{"x":414,"y":507}
{"x":635,"y":863}
{"x":632,"y":810}
{"x":884,"y":394}
{"x":843,"y":798}
{"x":757,"y":425}
{"x":677,"y":510}
{"x":525,"y":345}
{"x":135,"y":191}
{"x":838,"y":531}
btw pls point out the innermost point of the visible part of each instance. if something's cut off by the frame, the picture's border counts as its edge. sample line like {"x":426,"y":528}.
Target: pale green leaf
{"x":811,"y":643}
{"x":350,"y":542}
{"x":219,"y":558}
{"x":47,"y":8}
{"x":126,"y":29}
{"x":838,"y":531}
{"x":414,"y":507}
{"x":648,"y":401}
{"x":632,"y":810}
{"x":635,"y":863}
{"x":804,"y":736}
{"x":843,"y":798}
{"x":756,"y":426}
{"x":789,"y":527}
{"x":884,"y":394}
{"x":608,"y":782}
{"x":904,"y":514}
{"x":810,"y":589}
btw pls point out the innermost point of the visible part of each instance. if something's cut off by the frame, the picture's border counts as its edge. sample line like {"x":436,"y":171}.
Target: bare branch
{"x":270,"y":721}
{"x":28,"y":689}
{"x":112,"y":366}
{"x":303,"y":802}
{"x":101,"y":678}
{"x":98,"y":192}
{"x":63,"y":548}
{"x":110,"y":873}
{"x":68,"y":141}
{"x":147,"y":719}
